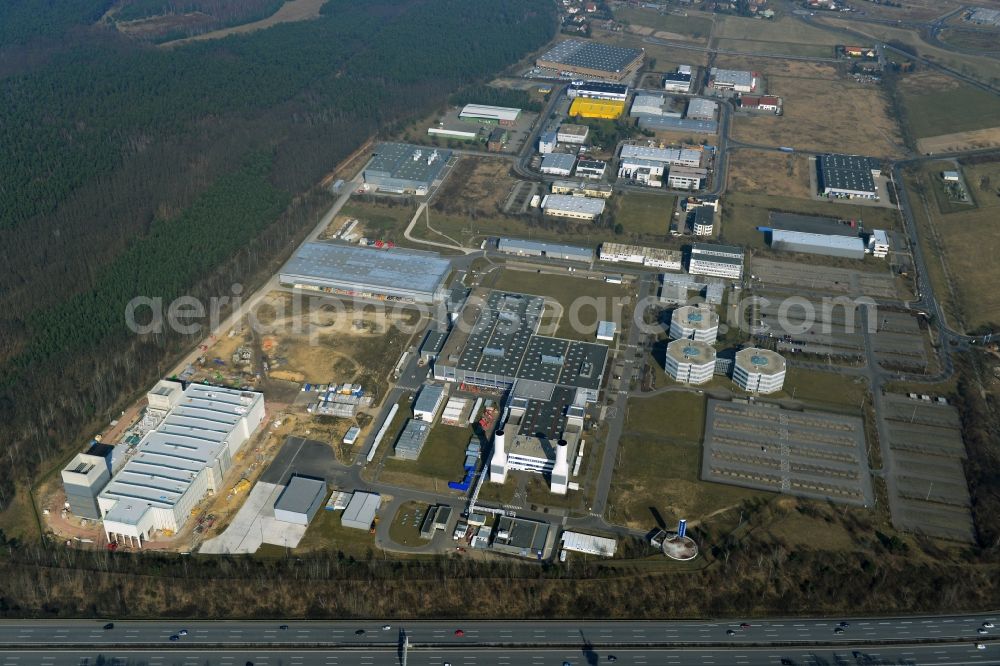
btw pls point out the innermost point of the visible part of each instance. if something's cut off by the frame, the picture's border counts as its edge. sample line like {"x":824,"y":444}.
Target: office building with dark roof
{"x":592,"y":59}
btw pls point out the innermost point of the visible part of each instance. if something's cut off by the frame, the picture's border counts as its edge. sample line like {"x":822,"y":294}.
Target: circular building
{"x":759,"y":370}
{"x":690,"y":361}
{"x":695,"y":322}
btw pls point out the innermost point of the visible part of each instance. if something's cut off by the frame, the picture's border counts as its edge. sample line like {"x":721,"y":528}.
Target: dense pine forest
{"x":131,"y":170}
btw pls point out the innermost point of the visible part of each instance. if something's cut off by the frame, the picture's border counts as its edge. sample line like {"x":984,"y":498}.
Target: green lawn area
{"x":471,"y":232}
{"x":405,"y":527}
{"x":644,"y":214}
{"x":825,"y":387}
{"x":776,"y":48}
{"x":983,"y":181}
{"x":326,"y":533}
{"x":381,"y":220}
{"x":960,"y":109}
{"x":784,"y":30}
{"x":693,"y":25}
{"x":680,"y":414}
{"x":973,"y":40}
{"x":442,"y":456}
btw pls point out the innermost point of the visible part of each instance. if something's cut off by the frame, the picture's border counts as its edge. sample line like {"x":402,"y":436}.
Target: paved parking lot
{"x":813,"y":277}
{"x":930,"y":490}
{"x":804,"y":453}
{"x":811,"y":326}
{"x":899,"y":342}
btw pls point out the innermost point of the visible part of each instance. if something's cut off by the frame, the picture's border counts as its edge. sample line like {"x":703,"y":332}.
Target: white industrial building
{"x":731,"y":79}
{"x":588,"y":544}
{"x":531,"y":248}
{"x":571,"y":133}
{"x":688,"y":157}
{"x":300,"y":500}
{"x":878,"y":244}
{"x":849,"y":247}
{"x":695,"y":322}
{"x":360,"y":512}
{"x":651,"y":105}
{"x":597,"y":90}
{"x":644,"y":172}
{"x":702,"y":109}
{"x":686,"y":178}
{"x":180,"y":461}
{"x":428,"y":403}
{"x":578,"y":208}
{"x":690,"y":361}
{"x":490,"y":114}
{"x":606,"y":331}
{"x":558,"y":164}
{"x":591,"y":169}
{"x":547,"y":142}
{"x":85,"y":477}
{"x":679,"y":81}
{"x":647,"y":256}
{"x":759,"y":370}
{"x":725,"y":261}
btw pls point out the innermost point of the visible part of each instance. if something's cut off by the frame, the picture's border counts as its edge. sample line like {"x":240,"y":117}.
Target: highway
{"x":964,"y":654}
{"x":874,"y":631}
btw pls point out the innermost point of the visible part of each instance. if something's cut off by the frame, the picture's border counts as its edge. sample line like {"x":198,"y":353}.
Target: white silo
{"x":498,"y":462}
{"x":560,"y":473}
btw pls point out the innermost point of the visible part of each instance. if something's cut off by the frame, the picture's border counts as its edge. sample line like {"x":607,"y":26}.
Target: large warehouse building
{"x":403,"y":168}
{"x":180,"y":461}
{"x":530,"y":248}
{"x":576,"y":208}
{"x":597,"y":90}
{"x":759,"y":370}
{"x":606,"y":109}
{"x":300,"y":500}
{"x":592,"y":59}
{"x":848,"y":176}
{"x":348,"y":270}
{"x":481,"y":113}
{"x":687,"y":157}
{"x":827,"y":245}
{"x":731,"y":79}
{"x":725,"y":261}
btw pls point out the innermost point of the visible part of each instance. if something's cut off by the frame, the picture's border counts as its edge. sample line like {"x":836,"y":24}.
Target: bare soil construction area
{"x":761,"y":172}
{"x":477,"y":186}
{"x":959,"y":141}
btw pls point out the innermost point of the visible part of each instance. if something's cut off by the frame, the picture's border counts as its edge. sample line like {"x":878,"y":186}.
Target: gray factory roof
{"x":732,"y":76}
{"x":300,"y":494}
{"x":798,"y":241}
{"x":568,"y":202}
{"x":847,"y":172}
{"x":717,"y":249}
{"x":407,"y":161}
{"x":702,"y":108}
{"x":810,"y":224}
{"x":665,"y":155}
{"x":546,"y":417}
{"x":523,"y":537}
{"x":433,"y":341}
{"x":361,"y":511}
{"x":411,"y":440}
{"x":430,"y":396}
{"x":562,"y":161}
{"x":667,"y":124}
{"x":550,"y":249}
{"x":591,"y":55}
{"x":334,"y":264}
{"x":598,"y":87}
{"x":572,"y":129}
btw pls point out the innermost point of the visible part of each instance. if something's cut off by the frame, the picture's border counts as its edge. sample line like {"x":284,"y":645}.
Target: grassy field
{"x":644,"y":215}
{"x":778,"y":174}
{"x":820,"y":110}
{"x":983,"y":181}
{"x":666,"y":57}
{"x":684,"y":412}
{"x":405,"y":527}
{"x":972,"y":40}
{"x":743,"y":213}
{"x":379,"y":220}
{"x":776,"y":48}
{"x":828,"y":388}
{"x":442,"y":455}
{"x":785,"y":31}
{"x":694,"y":25}
{"x":937,"y":105}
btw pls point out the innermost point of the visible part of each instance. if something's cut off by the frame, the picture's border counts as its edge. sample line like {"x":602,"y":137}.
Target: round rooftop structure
{"x":691,"y":351}
{"x":761,"y":361}
{"x":698,"y":322}
{"x":680,"y":548}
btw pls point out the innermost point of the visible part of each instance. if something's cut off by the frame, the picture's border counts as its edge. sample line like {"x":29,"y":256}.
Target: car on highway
{"x":109,"y":626}
{"x":980,"y":646}
{"x":175,"y":637}
{"x":730,"y":632}
{"x":459,"y":633}
{"x":359,"y":632}
{"x":386,"y":627}
{"x":845,"y":625}
{"x":838,"y":630}
{"x":744,"y":625}
{"x":987,"y":625}
{"x":183,"y":632}
{"x":612,"y":658}
{"x":982,"y":630}
{"x":283,"y":627}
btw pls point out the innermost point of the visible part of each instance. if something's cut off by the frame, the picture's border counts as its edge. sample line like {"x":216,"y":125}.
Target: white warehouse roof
{"x":587,"y":543}
{"x":819,"y":241}
{"x":360,"y":513}
{"x":575,"y":204}
{"x":668,"y":155}
{"x":499,"y":113}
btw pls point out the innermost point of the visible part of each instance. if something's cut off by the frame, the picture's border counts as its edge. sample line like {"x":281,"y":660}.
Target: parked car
{"x":109,"y":626}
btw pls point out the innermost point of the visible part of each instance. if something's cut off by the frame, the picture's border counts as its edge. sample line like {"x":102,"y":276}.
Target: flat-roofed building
{"x":404,"y":168}
{"x":428,"y":403}
{"x":686,"y":178}
{"x":827,"y":245}
{"x":591,"y":169}
{"x":653,"y":257}
{"x":606,"y":331}
{"x":572,"y":133}
{"x":759,"y":370}
{"x":671,"y":124}
{"x":381,"y":274}
{"x":878,"y":244}
{"x":586,"y":188}
{"x":725,"y":261}
{"x":702,"y":109}
{"x":641,"y":171}
{"x":588,"y":544}
{"x":690,"y":361}
{"x":731,"y":79}
{"x":180,"y":461}
{"x":695,"y":322}
{"x":848,"y":176}
{"x":648,"y":105}
{"x":411,"y":440}
{"x":360,"y":512}
{"x":85,"y":477}
{"x":530,"y":248}
{"x":702,"y":220}
{"x":547,"y":142}
{"x":593,"y":59}
{"x":300,"y":500}
{"x":483,"y":113}
{"x":597,"y":90}
{"x":670,"y":156}
{"x":605,"y":109}
{"x":677,"y":82}
{"x":558,"y":164}
{"x":577,"y":208}
{"x":521,"y":537}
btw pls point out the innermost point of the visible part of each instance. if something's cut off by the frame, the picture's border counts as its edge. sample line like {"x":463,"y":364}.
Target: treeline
{"x":511,"y":97}
{"x":24,"y":20}
{"x":132,"y":171}
{"x":226,"y":11}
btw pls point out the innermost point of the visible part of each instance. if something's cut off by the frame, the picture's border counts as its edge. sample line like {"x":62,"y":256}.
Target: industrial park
{"x":634,"y":301}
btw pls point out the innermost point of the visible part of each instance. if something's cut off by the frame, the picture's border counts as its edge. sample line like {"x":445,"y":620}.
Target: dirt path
{"x":291,"y":11}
